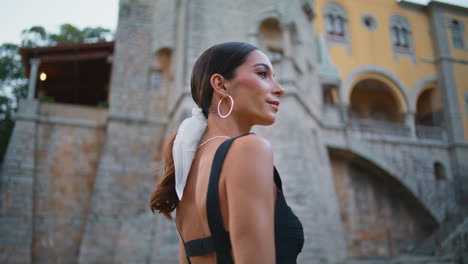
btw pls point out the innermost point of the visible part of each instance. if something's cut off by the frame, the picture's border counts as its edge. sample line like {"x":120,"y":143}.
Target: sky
{"x":16,"y":15}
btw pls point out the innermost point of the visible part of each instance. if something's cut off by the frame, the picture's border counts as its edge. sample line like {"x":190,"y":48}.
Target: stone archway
{"x":398,"y":88}
{"x":372,"y":98}
{"x":429,"y":109}
{"x":381,"y":217}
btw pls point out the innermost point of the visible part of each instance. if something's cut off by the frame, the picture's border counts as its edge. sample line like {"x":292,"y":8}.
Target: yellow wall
{"x":461,"y":77}
{"x":375,"y":47}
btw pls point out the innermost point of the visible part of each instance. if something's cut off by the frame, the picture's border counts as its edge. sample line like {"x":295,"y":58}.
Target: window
{"x":336,"y":22}
{"x":401,"y":34}
{"x":369,"y":22}
{"x":307,"y":7}
{"x":457,"y":33}
{"x":439,"y":171}
{"x":271,"y":39}
{"x":330,"y":94}
{"x":160,"y":74}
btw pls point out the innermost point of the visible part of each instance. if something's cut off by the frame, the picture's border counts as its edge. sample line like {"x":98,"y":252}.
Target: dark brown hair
{"x":222,"y":59}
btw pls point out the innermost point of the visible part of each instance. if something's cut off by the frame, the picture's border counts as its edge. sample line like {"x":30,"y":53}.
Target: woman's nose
{"x":278,"y":90}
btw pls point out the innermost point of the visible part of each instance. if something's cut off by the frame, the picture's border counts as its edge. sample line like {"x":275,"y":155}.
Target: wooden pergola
{"x":74,"y":73}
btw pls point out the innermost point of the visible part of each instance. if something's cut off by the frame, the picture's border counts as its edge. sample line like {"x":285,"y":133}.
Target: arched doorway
{"x":380,"y":216}
{"x":429,"y":119}
{"x":377,"y":105}
{"x":429,"y":107}
{"x":373,"y":99}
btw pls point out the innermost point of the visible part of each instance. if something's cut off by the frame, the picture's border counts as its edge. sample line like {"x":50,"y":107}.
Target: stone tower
{"x":157,"y":43}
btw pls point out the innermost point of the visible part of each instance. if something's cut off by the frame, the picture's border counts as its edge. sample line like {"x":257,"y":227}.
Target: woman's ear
{"x":217,"y":81}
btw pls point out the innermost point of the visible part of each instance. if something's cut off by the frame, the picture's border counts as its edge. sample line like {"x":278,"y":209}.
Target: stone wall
{"x":17,"y":188}
{"x":67,"y":156}
{"x":380,"y":217}
{"x":120,"y":227}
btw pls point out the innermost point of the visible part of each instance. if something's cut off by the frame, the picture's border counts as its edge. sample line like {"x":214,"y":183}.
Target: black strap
{"x":183,"y":242}
{"x":219,"y":241}
{"x":215,"y":222}
{"x":277,"y":179}
{"x":222,"y":242}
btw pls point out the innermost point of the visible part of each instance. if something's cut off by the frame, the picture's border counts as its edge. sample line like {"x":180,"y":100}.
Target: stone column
{"x":344,"y":113}
{"x":450,"y":100}
{"x":33,"y":77}
{"x":410,"y":122}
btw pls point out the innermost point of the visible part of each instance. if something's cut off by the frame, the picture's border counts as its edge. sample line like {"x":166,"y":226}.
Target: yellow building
{"x":398,"y":62}
{"x":395,"y":66}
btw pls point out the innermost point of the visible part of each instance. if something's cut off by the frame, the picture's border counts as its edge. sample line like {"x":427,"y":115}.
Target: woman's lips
{"x":274,"y":104}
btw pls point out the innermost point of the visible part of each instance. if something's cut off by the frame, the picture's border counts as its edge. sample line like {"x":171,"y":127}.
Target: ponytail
{"x":164,"y":199}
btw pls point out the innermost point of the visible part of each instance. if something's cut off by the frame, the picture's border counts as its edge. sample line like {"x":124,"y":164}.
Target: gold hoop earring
{"x":230,"y":110}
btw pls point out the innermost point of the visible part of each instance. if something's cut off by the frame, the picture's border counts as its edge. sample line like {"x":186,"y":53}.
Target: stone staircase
{"x":434,"y":244}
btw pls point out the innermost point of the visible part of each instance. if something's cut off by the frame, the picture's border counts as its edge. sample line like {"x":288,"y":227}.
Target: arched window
{"x":160,"y":71}
{"x":404,"y":38}
{"x":457,"y":32}
{"x":395,"y":36}
{"x":330,"y":94}
{"x":329,"y":24}
{"x":374,"y":99}
{"x":271,"y":39}
{"x":429,"y":108}
{"x":401,"y":34}
{"x":336,"y":22}
{"x":340,"y":27}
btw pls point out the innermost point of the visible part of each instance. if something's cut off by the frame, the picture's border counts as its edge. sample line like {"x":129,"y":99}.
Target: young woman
{"x":221,"y":177}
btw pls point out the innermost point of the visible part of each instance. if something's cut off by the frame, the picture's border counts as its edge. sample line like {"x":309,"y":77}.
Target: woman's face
{"x":255,"y":91}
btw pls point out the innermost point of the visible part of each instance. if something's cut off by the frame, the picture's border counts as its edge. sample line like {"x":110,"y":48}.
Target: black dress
{"x":289,"y":235}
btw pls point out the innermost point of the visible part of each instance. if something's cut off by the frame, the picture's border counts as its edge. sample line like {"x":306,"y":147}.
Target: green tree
{"x":13,"y":82}
{"x":12,"y":87}
{"x":34,"y":36}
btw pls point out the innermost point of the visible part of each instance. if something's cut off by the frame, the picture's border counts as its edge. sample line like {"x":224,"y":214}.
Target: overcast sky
{"x":16,"y":15}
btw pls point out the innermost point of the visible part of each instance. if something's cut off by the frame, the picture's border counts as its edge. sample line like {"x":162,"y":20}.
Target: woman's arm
{"x":250,"y":188}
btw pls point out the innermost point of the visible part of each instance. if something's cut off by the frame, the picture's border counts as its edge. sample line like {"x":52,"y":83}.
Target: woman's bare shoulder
{"x":252,"y":144}
{"x":250,"y":154}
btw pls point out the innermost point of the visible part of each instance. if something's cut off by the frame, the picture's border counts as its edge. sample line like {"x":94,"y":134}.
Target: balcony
{"x":401,"y":130}
{"x":430,"y":132}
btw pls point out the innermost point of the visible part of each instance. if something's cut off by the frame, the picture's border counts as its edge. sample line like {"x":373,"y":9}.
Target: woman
{"x":221,"y":177}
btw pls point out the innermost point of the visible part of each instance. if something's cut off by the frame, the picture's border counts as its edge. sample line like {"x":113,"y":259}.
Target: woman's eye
{"x":263,"y":74}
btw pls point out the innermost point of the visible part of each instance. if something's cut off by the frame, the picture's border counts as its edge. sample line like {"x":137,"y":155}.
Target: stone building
{"x":371,"y":139}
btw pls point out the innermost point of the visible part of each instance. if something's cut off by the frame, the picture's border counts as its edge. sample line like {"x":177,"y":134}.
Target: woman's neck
{"x":229,"y":126}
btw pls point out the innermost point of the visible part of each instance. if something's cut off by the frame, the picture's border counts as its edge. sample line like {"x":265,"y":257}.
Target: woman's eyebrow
{"x":262,"y":64}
